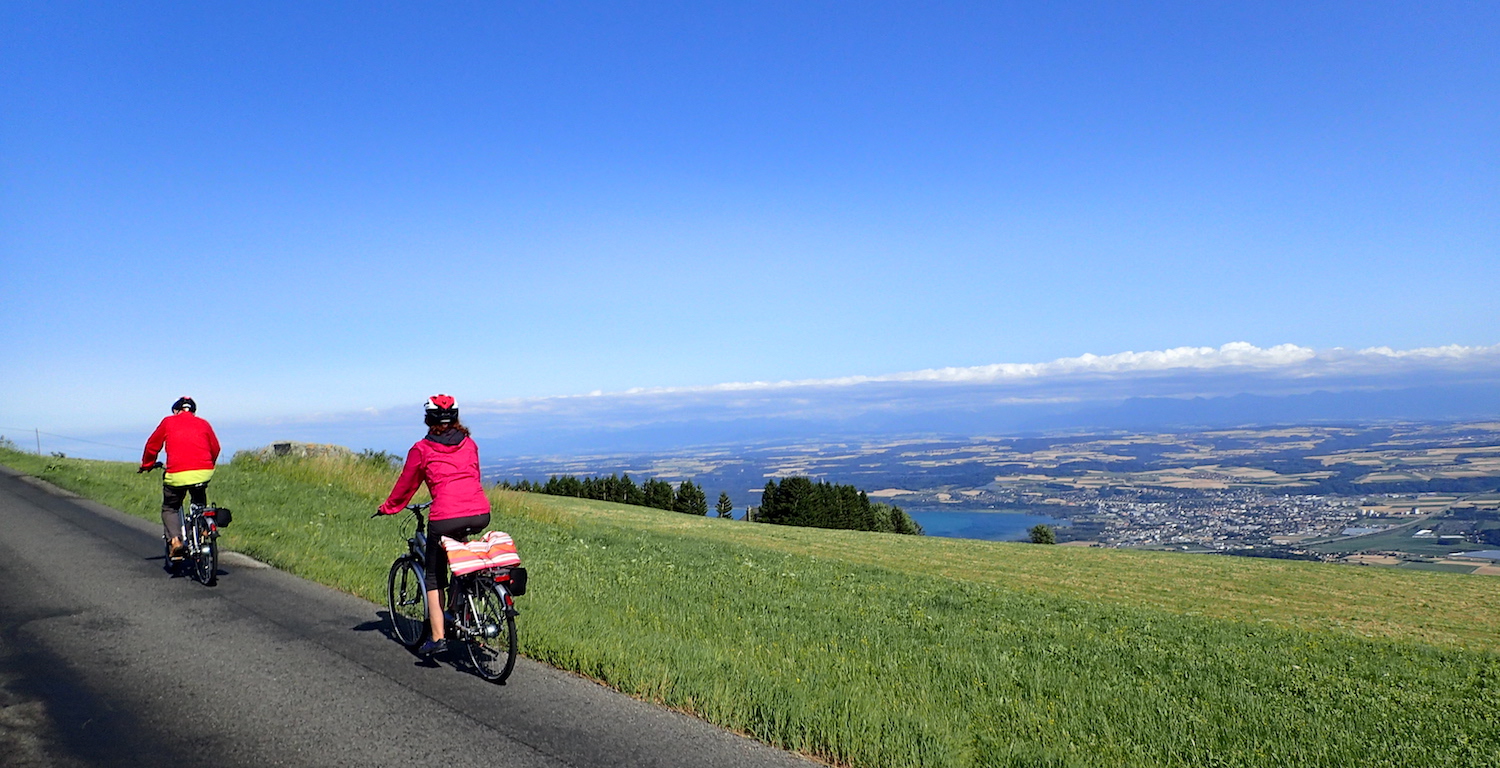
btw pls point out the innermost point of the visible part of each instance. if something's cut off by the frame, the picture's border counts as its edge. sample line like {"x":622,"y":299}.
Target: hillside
{"x":876,"y":650}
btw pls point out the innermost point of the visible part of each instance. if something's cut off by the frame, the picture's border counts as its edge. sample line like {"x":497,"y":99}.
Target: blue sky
{"x":294,"y":209}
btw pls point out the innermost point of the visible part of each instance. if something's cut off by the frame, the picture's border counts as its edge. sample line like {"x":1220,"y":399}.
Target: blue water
{"x":987,"y":524}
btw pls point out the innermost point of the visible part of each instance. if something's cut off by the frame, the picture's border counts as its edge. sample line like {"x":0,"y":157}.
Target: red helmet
{"x":440,"y":409}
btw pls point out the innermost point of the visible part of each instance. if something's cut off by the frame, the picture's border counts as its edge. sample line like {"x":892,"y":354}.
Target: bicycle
{"x":481,"y":612}
{"x":200,"y":540}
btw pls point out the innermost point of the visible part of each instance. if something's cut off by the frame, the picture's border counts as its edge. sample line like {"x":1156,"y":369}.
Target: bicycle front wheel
{"x":406,"y":597}
{"x":206,"y":556}
{"x":492,"y":643}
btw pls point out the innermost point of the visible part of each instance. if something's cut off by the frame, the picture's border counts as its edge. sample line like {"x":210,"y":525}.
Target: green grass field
{"x":1396,"y":539}
{"x":880,"y":650}
{"x":1444,"y":567}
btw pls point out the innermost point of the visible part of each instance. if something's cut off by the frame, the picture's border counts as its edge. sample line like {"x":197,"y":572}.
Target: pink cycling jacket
{"x":452,"y":476}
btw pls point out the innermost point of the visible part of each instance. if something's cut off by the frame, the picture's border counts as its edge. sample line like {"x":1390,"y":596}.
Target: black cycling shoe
{"x":432,"y":646}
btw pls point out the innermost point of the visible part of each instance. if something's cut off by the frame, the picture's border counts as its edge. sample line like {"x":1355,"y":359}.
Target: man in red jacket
{"x":192,"y":448}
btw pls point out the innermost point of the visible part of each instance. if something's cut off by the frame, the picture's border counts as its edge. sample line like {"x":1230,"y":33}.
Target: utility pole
{"x":38,"y":441}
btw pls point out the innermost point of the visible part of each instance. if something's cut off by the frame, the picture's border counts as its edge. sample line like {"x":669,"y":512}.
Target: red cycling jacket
{"x":190,"y":442}
{"x":452,"y":476}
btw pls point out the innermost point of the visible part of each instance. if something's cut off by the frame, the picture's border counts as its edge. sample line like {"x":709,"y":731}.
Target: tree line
{"x":800,"y":501}
{"x":792,"y":501}
{"x":688,"y":497}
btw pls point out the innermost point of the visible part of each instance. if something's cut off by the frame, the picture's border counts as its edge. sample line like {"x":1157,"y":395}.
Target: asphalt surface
{"x":106,"y":661}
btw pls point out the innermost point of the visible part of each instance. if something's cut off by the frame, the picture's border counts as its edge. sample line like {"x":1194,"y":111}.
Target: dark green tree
{"x":630,"y":492}
{"x":767,"y":496}
{"x":725,"y":507}
{"x":789,"y":502}
{"x":800,"y":501}
{"x":905,"y":524}
{"x":690,"y":499}
{"x":1042,"y":534}
{"x":658,"y":494}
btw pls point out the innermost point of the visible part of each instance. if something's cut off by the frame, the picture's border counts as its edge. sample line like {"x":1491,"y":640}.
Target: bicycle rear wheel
{"x":206,"y":554}
{"x":406,"y":597}
{"x":492,"y":640}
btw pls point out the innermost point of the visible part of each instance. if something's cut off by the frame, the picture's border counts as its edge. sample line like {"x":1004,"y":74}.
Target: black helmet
{"x":185,"y":403}
{"x":440,"y":409}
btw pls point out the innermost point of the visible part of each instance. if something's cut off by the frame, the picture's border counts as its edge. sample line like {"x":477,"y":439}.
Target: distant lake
{"x":987,"y":524}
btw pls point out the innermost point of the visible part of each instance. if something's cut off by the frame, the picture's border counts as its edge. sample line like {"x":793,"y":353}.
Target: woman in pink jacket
{"x":448,"y":461}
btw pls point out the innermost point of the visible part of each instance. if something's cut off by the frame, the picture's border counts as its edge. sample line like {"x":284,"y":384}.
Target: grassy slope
{"x":876,"y":650}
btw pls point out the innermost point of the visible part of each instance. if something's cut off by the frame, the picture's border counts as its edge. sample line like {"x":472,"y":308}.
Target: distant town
{"x":1456,"y":532}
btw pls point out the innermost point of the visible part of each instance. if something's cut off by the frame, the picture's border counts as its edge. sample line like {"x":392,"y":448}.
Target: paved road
{"x":114,"y":663}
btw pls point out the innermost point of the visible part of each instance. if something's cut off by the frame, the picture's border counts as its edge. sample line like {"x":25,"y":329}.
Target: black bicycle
{"x":481,"y":611}
{"x":200,"y":541}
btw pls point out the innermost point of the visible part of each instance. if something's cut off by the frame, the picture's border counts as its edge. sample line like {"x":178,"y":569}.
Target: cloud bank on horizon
{"x":1236,"y":383}
{"x":1233,"y":366}
{"x":1286,"y":359}
{"x":1068,"y":392}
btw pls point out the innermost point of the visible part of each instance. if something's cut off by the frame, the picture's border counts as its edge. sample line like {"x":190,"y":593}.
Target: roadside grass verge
{"x":880,"y":650}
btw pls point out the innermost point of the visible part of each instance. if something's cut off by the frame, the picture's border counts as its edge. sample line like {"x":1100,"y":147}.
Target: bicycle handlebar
{"x":415,"y":509}
{"x":152,"y":468}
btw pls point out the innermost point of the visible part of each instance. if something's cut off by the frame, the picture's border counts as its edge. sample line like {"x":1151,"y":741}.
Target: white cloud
{"x":1236,"y":353}
{"x":1283,"y":360}
{"x":1451,"y":351}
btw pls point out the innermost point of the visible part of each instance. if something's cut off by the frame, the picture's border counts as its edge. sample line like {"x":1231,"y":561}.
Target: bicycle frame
{"x":416,"y":548}
{"x":416,"y":545}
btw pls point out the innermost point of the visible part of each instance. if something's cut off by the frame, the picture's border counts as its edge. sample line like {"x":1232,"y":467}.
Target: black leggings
{"x":459,"y":528}
{"x":171,"y":505}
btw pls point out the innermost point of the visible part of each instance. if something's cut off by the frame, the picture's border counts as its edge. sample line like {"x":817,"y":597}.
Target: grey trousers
{"x":171,"y":506}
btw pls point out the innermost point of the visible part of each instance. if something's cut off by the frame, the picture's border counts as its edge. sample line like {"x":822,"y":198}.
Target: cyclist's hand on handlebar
{"x":148,"y":468}
{"x":378,"y":513}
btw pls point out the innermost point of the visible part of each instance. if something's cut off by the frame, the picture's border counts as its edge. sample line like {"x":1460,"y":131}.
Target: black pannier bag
{"x":221,"y":516}
{"x":517,"y":582}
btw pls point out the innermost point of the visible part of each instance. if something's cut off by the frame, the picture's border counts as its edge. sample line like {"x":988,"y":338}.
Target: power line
{"x":68,"y":437}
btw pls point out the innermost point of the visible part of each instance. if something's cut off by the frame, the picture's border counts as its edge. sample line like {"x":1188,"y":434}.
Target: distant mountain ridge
{"x":690,"y":427}
{"x":1426,"y":403}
